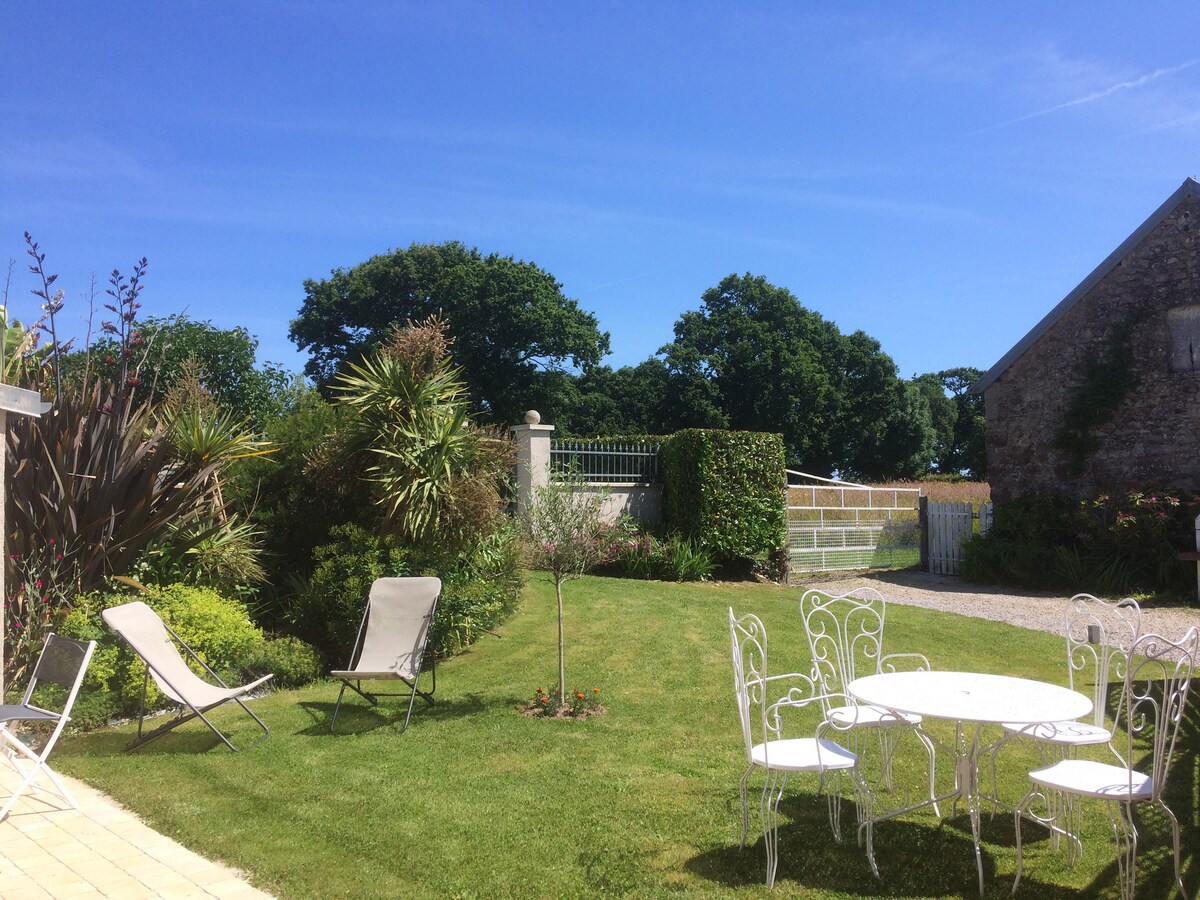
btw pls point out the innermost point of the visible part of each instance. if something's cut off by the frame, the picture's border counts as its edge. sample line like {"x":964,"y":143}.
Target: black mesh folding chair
{"x":391,"y":641}
{"x":62,"y":662}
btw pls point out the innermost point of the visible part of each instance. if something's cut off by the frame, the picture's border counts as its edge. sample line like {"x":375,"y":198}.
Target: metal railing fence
{"x":606,"y":460}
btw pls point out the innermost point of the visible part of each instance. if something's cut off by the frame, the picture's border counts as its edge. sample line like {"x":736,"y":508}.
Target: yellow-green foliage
{"x":218,"y":629}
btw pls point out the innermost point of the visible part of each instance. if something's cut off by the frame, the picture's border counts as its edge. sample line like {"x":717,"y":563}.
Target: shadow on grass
{"x":915,"y":859}
{"x":359,"y":717}
{"x":184,"y":740}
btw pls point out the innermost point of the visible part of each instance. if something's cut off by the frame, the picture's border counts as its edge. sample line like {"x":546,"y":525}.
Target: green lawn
{"x":477,"y":800}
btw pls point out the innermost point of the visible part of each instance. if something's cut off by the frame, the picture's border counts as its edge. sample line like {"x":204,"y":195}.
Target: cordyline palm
{"x":101,"y":478}
{"x":207,"y":437}
{"x":412,"y":418}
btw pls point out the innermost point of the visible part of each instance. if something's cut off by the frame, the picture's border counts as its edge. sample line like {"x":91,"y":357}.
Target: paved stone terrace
{"x":49,"y":851}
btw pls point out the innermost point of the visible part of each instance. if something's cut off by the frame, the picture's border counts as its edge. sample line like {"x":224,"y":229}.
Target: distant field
{"x":975,"y":492}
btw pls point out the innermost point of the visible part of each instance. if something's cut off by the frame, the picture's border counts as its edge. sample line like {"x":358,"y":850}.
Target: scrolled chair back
{"x":1157,"y":681}
{"x":759,"y":712}
{"x":1099,"y":637}
{"x":845,"y":635}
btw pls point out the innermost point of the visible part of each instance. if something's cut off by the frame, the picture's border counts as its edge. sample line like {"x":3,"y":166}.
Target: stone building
{"x":1104,"y":392}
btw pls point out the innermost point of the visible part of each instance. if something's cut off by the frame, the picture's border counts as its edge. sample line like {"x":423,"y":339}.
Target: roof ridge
{"x":1189,"y":188}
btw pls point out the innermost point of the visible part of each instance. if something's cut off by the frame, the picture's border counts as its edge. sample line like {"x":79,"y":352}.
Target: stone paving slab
{"x":50,"y":851}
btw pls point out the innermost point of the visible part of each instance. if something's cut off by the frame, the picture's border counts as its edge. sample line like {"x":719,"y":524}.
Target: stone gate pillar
{"x":533,"y":457}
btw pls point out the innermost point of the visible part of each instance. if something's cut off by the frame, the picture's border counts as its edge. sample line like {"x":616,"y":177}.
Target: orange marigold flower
{"x":579,"y":694}
{"x":545,"y":699}
{"x":595,"y":690}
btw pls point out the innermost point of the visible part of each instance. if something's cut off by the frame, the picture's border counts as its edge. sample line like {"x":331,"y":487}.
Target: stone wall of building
{"x":1154,"y":438}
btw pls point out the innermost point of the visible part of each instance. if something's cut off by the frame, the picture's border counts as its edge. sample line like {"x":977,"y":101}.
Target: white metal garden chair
{"x":1099,"y":636}
{"x":845,"y":635}
{"x":1158,"y":674}
{"x":766,"y":748}
{"x":62,"y":662}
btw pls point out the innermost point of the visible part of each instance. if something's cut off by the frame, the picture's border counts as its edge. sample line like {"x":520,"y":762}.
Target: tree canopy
{"x":752,"y":357}
{"x":958,"y":421}
{"x":163,"y":349}
{"x":509,"y":321}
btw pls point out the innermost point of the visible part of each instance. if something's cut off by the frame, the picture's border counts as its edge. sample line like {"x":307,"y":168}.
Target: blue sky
{"x":937,"y":175}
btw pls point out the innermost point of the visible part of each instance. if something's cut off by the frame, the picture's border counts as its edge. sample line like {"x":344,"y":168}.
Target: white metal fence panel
{"x":835,"y":526}
{"x":949,"y":524}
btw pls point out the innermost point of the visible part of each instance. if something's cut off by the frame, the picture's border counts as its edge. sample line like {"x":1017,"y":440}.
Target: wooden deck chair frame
{"x":392,"y":638}
{"x":158,"y":645}
{"x":63,"y":662}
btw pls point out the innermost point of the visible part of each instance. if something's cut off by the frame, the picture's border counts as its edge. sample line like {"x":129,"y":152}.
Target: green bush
{"x":216,"y":628}
{"x":293,"y":662}
{"x":478,"y":590}
{"x":723,"y":490}
{"x":1109,"y":544}
{"x":329,"y":607}
{"x":645,"y":556}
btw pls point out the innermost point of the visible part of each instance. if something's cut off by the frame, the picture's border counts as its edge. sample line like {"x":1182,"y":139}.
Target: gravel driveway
{"x":1038,"y":610}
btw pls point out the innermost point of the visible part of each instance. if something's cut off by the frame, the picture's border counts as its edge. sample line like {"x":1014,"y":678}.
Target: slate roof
{"x":1189,"y":188}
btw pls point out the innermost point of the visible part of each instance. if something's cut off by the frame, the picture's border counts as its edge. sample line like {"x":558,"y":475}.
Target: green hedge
{"x":723,"y":490}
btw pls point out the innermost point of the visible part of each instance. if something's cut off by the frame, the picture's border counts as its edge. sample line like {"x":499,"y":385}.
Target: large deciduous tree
{"x":752,"y":357}
{"x":509,"y":320}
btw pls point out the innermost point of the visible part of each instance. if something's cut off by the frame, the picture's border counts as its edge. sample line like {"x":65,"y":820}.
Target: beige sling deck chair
{"x":62,"y":662}
{"x":154,"y":641}
{"x":391,"y":641}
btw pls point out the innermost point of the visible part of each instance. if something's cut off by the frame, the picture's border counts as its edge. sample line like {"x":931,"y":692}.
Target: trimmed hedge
{"x":723,"y":490}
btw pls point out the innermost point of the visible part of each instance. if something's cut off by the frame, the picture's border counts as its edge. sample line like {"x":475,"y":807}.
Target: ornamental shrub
{"x":723,"y":491}
{"x":293,"y":662}
{"x":328,"y":608}
{"x":1111,"y":544}
{"x":218,"y":629}
{"x":479,"y":588}
{"x":642,"y":555}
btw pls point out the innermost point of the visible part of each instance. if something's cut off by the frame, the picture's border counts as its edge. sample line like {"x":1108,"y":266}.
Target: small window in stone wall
{"x":1183,"y":323}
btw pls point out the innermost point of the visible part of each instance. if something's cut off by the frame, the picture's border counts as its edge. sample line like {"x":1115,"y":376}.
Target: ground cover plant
{"x":478,"y":800}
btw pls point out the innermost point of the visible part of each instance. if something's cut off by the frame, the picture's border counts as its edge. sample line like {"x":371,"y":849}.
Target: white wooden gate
{"x":948,"y":525}
{"x":837,"y":525}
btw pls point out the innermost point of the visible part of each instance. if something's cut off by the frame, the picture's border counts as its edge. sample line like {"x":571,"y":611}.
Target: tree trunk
{"x":562,"y":680}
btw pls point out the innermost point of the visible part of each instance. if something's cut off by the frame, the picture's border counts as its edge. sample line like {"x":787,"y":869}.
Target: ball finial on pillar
{"x":533,"y":417}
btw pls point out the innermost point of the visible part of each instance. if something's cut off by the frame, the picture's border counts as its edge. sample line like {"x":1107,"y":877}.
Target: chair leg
{"x":1018,"y":813}
{"x":337,"y":706}
{"x":769,"y":809}
{"x":864,"y":805}
{"x":1178,"y":849}
{"x":1125,"y":834}
{"x":834,"y":800}
{"x":33,"y":765}
{"x":412,"y":700}
{"x":745,"y":806}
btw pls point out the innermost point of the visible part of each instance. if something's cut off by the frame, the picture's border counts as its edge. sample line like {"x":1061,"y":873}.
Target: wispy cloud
{"x":1096,"y":96}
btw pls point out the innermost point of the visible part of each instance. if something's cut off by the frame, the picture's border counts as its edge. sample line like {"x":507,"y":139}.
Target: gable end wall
{"x":1155,"y":436}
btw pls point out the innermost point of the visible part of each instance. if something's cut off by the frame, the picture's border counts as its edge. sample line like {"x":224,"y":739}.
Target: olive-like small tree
{"x":566,"y":536}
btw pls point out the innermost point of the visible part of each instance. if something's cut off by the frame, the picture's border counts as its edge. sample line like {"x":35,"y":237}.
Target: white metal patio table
{"x":970,"y":700}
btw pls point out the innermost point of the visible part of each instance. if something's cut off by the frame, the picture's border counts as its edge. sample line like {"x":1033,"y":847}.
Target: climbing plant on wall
{"x":1106,"y":380}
